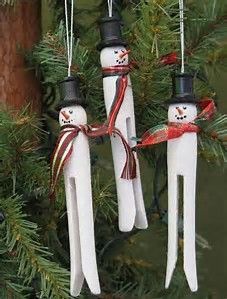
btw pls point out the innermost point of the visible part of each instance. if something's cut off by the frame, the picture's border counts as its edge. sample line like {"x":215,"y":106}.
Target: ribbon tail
{"x":129,"y":170}
{"x":57,"y":169}
{"x":61,"y":154}
{"x":121,"y":86}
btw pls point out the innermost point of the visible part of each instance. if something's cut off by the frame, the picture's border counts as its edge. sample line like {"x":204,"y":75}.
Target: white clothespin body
{"x":182,"y":161}
{"x":77,"y":178}
{"x":130,"y":197}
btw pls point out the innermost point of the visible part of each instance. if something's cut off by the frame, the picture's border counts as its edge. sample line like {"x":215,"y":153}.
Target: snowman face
{"x":182,"y":112}
{"x":112,"y":56}
{"x":74,"y":115}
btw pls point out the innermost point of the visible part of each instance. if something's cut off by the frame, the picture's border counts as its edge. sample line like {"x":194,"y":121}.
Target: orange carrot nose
{"x":179,"y":110}
{"x":123,"y":54}
{"x":66,"y":116}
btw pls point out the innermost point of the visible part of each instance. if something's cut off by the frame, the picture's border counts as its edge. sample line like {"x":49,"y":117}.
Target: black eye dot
{"x":123,"y":51}
{"x":70,"y":111}
{"x":115,"y":51}
{"x":175,"y":115}
{"x":184,"y":108}
{"x":185,"y":116}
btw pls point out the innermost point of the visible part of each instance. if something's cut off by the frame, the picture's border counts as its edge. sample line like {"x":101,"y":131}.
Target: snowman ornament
{"x":118,"y":97}
{"x":181,"y":135}
{"x":73,"y":156}
{"x":182,"y":161}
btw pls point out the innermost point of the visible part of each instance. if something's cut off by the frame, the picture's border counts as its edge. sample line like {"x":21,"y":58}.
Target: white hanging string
{"x":181,"y":8}
{"x":69,"y":39}
{"x":110,"y":8}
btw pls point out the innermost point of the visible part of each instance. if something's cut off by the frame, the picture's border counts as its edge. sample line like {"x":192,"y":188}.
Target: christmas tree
{"x":34,"y":250}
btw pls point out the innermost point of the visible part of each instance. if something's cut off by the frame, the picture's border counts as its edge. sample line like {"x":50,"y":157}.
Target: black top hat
{"x":70,"y":93}
{"x":110,"y":32}
{"x":183,"y":91}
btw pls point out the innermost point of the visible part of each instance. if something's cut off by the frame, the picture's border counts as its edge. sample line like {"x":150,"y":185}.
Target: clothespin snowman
{"x":182,"y":161}
{"x":72,"y":153}
{"x":118,"y":95}
{"x":181,"y":135}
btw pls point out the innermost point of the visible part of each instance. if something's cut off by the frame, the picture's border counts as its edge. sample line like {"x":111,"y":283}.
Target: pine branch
{"x":23,"y":169}
{"x":206,"y":34}
{"x":151,"y":38}
{"x":49,"y":57}
{"x":213,"y":140}
{"x":104,"y":197}
{"x":11,"y":285}
{"x":33,"y":259}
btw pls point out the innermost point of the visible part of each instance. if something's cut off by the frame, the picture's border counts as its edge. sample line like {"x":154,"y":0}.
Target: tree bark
{"x":20,"y":29}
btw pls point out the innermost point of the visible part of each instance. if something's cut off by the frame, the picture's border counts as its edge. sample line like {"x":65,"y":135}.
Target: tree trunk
{"x":20,"y":29}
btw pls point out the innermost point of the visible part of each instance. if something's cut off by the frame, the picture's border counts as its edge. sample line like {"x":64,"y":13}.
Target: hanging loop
{"x":110,"y":8}
{"x":69,"y":34}
{"x":181,"y":9}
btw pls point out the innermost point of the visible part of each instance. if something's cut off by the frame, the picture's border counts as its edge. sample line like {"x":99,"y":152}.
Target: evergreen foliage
{"x":34,"y":253}
{"x":7,"y":2}
{"x":24,"y":185}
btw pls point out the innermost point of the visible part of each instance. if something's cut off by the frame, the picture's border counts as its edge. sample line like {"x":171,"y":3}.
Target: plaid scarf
{"x":64,"y":147}
{"x":162,"y":133}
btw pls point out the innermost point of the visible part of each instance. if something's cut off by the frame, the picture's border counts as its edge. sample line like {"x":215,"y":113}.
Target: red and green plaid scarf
{"x":64,"y":147}
{"x":162,"y":133}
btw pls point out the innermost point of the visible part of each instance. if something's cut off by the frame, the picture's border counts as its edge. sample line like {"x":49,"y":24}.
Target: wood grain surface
{"x":20,"y":29}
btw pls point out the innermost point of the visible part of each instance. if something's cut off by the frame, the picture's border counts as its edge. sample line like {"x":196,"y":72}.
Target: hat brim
{"x":68,"y":103}
{"x":179,"y":100}
{"x":111,"y":43}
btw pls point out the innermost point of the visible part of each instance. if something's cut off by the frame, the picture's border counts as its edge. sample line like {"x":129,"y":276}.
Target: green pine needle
{"x":34,"y":260}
